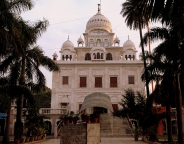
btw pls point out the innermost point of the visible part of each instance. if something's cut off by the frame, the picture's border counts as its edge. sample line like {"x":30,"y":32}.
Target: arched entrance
{"x":2,"y":126}
{"x":48,"y":127}
{"x":98,"y":101}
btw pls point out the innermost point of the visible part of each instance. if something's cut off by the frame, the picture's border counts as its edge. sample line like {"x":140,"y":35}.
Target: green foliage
{"x":84,"y":116}
{"x":4,"y":103}
{"x":43,"y":98}
{"x":76,"y":117}
{"x":34,"y":121}
{"x":134,"y":107}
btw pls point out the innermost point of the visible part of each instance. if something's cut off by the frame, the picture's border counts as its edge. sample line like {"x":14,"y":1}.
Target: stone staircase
{"x":113,"y":126}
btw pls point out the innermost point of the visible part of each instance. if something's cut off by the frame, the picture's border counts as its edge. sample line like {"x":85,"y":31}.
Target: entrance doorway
{"x":99,"y":110}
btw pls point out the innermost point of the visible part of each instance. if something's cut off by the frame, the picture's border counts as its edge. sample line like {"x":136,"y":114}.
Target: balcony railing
{"x":54,"y":111}
{"x":46,"y":111}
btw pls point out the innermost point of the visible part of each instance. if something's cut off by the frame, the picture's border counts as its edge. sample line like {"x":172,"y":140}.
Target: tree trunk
{"x":179,"y":109}
{"x":145,"y":67}
{"x":7,"y":127}
{"x":19,"y":124}
{"x":149,"y":48}
{"x":169,"y":124}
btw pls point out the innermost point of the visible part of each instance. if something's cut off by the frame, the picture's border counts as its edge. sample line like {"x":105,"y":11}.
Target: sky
{"x":69,"y":18}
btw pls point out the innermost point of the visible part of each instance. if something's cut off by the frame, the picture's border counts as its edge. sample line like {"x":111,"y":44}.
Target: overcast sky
{"x":69,"y":17}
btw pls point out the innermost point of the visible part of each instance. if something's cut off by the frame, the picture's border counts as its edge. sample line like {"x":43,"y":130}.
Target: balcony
{"x":47,"y":111}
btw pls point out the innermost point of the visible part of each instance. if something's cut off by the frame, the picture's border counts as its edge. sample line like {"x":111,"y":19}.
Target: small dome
{"x":116,"y":40}
{"x":68,"y":45}
{"x":80,"y":40}
{"x":129,"y":44}
{"x":98,"y":21}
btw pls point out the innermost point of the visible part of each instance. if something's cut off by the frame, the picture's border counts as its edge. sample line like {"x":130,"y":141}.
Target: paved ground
{"x":103,"y":141}
{"x":128,"y":140}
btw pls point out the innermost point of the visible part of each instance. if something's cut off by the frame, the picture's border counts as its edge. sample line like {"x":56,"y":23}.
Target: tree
{"x":9,"y":29}
{"x":136,"y":20}
{"x":168,"y":68}
{"x":26,"y":69}
{"x":25,"y":65}
{"x":10,"y":90}
{"x":134,"y":107}
{"x":43,"y":98}
{"x":161,"y":72}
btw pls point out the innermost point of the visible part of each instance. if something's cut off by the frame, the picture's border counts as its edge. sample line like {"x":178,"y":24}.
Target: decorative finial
{"x":128,"y":37}
{"x":99,"y":9}
{"x":68,"y":37}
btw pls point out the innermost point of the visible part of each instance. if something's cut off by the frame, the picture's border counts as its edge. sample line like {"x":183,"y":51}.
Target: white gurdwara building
{"x":99,"y":68}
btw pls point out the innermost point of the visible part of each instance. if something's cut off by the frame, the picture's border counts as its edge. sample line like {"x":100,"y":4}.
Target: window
{"x":65,"y":80}
{"x":131,"y":80}
{"x":82,"y":81}
{"x":115,"y":107}
{"x":113,"y":81}
{"x":109,"y":56}
{"x":64,"y":105}
{"x":98,"y":55}
{"x":98,"y":81}
{"x":87,"y":56}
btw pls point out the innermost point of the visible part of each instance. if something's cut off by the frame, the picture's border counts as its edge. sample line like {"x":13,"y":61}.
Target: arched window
{"x":129,"y":56}
{"x":67,"y":57}
{"x":109,"y":56}
{"x":87,"y":56}
{"x":102,"y":55}
{"x":133,"y":57}
{"x":70,"y":57}
{"x":94,"y":55}
{"x":98,"y":55}
{"x":63,"y":57}
{"x":126,"y":57}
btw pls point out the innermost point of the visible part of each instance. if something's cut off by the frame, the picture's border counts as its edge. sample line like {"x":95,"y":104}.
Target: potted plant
{"x":75,"y":119}
{"x":85,"y":118}
{"x":65,"y":119}
{"x":70,"y":119}
{"x":94,"y":118}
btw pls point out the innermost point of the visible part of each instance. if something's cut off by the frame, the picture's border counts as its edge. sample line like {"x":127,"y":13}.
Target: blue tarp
{"x":3,"y":115}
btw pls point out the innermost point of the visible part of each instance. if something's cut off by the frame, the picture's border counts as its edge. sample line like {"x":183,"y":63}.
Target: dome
{"x":98,"y":21}
{"x":129,"y":44}
{"x":80,"y":40}
{"x":68,"y":45}
{"x":116,"y":40}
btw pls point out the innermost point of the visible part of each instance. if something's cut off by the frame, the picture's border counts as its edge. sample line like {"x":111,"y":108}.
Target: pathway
{"x":103,"y":141}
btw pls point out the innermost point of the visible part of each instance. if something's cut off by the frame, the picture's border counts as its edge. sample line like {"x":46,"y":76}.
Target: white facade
{"x":98,"y":55}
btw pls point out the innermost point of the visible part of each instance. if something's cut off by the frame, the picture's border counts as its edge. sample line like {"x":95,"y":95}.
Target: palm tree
{"x":161,"y":71}
{"x":167,"y":60}
{"x":136,"y":20}
{"x":27,"y":62}
{"x":25,"y":72}
{"x":9,"y":29}
{"x":10,"y":89}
